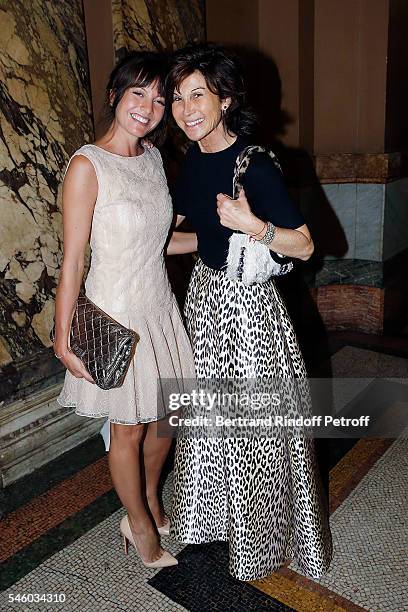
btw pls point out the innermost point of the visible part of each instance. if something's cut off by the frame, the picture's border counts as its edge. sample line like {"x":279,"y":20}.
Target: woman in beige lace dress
{"x":115,"y":195}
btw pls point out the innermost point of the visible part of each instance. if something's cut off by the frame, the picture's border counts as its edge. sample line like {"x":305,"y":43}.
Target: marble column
{"x":358,"y":58}
{"x":46,"y":115}
{"x":326,"y":78}
{"x":163,"y":26}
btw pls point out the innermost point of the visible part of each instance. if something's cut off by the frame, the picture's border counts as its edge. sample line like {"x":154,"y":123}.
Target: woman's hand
{"x":237,"y":214}
{"x":73,"y":364}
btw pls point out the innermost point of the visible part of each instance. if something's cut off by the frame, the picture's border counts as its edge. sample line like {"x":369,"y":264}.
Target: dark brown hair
{"x":223,"y":75}
{"x":138,"y":69}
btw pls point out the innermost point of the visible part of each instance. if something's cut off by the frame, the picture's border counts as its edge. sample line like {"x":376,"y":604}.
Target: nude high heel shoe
{"x":164,"y":530}
{"x":166,"y":560}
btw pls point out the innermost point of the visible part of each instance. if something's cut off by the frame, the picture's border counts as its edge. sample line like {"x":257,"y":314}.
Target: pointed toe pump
{"x":166,"y":559}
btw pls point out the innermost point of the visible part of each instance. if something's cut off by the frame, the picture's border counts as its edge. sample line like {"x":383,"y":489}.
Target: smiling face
{"x":198,"y":111}
{"x":139,"y":110}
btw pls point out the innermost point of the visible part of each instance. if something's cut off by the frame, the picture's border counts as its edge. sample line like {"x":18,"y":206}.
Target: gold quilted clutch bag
{"x":104,"y":346}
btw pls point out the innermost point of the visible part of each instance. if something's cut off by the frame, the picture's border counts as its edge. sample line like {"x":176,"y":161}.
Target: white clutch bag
{"x":251,"y":262}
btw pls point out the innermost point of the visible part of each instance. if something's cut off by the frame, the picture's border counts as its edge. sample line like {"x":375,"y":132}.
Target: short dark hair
{"x":223,"y":74}
{"x":138,"y":69}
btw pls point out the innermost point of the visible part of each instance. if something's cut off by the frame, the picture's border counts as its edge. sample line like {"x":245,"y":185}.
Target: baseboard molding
{"x":36,"y":430}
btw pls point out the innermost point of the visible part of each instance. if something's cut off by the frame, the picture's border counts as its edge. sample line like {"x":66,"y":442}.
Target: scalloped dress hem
{"x":105,"y":415}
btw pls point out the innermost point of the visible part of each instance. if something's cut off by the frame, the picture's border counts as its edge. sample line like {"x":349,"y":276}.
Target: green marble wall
{"x":164,"y":25}
{"x":46,"y":115}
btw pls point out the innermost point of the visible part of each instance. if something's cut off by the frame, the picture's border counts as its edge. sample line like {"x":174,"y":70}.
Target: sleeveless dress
{"x":128,"y":280}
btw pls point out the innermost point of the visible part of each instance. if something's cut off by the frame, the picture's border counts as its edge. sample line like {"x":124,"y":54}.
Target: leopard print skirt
{"x":262,"y":495}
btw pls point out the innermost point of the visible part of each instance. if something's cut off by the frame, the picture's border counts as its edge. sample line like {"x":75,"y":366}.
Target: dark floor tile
{"x":379,"y":400}
{"x":396,"y":346}
{"x":201,"y":582}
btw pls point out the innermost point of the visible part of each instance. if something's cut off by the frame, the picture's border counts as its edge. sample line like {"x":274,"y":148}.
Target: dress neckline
{"x":117,"y":154}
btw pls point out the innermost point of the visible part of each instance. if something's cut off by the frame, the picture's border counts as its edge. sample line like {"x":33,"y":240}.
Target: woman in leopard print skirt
{"x":262,"y":494}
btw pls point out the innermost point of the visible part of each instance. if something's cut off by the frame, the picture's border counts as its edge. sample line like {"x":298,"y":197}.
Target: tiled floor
{"x":370,"y":564}
{"x":370,"y":537}
{"x":60,"y":532}
{"x":95,"y":575}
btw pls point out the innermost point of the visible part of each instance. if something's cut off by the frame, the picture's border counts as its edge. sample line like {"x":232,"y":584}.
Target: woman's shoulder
{"x":85,"y":148}
{"x":262,"y":163}
{"x":83,"y":162}
{"x":153,"y":154}
{"x":88,"y":151}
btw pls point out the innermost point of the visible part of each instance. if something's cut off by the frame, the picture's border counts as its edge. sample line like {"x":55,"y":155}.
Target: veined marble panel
{"x":163,"y":25}
{"x":358,"y":167}
{"x":36,"y":430}
{"x":343,"y":200}
{"x":369,"y":222}
{"x":46,"y":115}
{"x":395,"y":218}
{"x":360,"y":212}
{"x":351,"y":272}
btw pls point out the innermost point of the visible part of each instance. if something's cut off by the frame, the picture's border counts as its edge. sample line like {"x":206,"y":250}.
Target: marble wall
{"x":374,"y":218}
{"x":395,"y":218}
{"x":360,"y":210}
{"x":360,"y":282}
{"x":163,"y":25}
{"x":46,"y":115}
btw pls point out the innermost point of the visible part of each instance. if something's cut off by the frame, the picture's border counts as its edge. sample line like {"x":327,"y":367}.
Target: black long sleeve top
{"x":204,"y":175}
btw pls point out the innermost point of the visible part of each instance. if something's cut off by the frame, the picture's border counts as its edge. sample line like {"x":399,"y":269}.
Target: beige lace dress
{"x":128,"y":280}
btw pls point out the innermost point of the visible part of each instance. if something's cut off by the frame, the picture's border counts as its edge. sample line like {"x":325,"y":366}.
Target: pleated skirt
{"x":162,"y":352}
{"x":261,"y":494}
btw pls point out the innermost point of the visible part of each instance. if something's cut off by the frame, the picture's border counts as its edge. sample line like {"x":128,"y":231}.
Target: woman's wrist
{"x":268,"y":234}
{"x":256,"y":228}
{"x":61,"y":350}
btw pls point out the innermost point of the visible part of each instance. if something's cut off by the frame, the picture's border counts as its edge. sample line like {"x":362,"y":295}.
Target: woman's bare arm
{"x":181,"y":243}
{"x":296,"y":243}
{"x":79,"y":195}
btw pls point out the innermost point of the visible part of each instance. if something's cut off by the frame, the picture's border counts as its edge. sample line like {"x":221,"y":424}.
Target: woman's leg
{"x":124,"y":464}
{"x":155,"y":451}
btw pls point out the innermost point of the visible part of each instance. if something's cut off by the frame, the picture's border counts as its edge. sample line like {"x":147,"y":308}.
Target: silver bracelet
{"x":269,"y":234}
